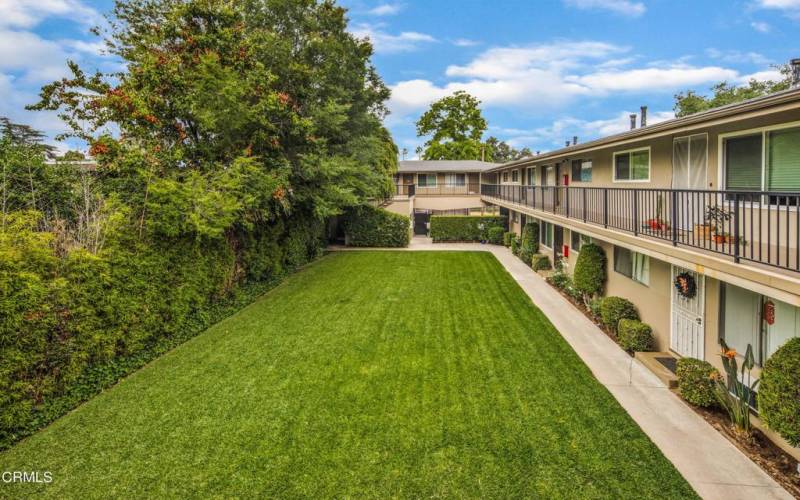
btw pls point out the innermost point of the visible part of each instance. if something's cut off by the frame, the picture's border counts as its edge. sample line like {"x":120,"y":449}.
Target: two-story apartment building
{"x":438,"y":187}
{"x":698,"y":217}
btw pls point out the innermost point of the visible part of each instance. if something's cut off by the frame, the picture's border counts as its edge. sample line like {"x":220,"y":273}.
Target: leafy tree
{"x":455,"y":126}
{"x":25,"y":135}
{"x":280,"y":85}
{"x":500,"y":152}
{"x":689,"y":102}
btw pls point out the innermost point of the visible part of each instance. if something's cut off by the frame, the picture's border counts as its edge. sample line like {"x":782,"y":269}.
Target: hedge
{"x":695,"y":382}
{"x":463,"y":227}
{"x":495,"y":235}
{"x":779,"y":395}
{"x":635,"y":336}
{"x":530,"y":238}
{"x":73,"y":324}
{"x":590,"y":270}
{"x":613,"y":309}
{"x":508,"y":237}
{"x":540,"y":262}
{"x":367,"y":226}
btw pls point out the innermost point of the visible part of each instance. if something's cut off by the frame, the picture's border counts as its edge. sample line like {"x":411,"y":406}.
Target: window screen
{"x":743,"y":163}
{"x":783,"y":166}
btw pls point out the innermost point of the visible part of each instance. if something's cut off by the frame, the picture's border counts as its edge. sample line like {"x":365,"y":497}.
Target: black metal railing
{"x":404,"y":189}
{"x":469,"y":188}
{"x":757,"y":226}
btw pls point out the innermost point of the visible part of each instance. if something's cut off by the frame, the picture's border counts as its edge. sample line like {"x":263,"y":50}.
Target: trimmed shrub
{"x":779,"y":396}
{"x":530,"y":238}
{"x":590,"y":270}
{"x":635,"y":336}
{"x":540,"y":262}
{"x":495,"y":235}
{"x":515,"y":245}
{"x":463,"y":227}
{"x":695,"y":381}
{"x":367,"y":226}
{"x":508,"y":237}
{"x":613,"y":309}
{"x":594,"y":306}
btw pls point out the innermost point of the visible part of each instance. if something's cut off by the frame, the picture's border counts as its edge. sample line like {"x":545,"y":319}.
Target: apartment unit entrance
{"x":422,"y":219}
{"x":687,"y":332}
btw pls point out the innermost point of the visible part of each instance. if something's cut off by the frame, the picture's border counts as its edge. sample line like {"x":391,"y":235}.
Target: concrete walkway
{"x":714,"y":467}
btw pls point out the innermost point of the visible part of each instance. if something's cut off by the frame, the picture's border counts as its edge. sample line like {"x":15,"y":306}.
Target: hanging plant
{"x":686,"y":285}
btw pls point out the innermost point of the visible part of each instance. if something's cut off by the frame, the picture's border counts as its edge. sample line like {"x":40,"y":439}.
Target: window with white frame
{"x":634,"y":265}
{"x":581,"y":171}
{"x":531,"y":176}
{"x":632,"y":166}
{"x":546,"y":234}
{"x":515,"y":175}
{"x":505,"y":176}
{"x":577,"y":240}
{"x":455,"y":179}
{"x":766,"y":160}
{"x":426,"y":180}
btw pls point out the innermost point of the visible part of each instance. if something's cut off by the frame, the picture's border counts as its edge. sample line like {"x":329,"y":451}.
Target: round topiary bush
{"x":590,"y":270}
{"x":695,"y":381}
{"x":530,"y":238}
{"x":495,"y":235}
{"x":779,"y":395}
{"x":613,"y":309}
{"x":635,"y":336}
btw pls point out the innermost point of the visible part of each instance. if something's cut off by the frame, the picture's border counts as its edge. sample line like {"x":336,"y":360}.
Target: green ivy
{"x":367,"y":226}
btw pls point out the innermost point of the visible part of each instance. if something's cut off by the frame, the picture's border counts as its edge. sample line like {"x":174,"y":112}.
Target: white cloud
{"x":465,"y":42}
{"x":386,"y":9}
{"x":29,"y":13}
{"x":386,"y":43}
{"x":624,"y":7}
{"x":761,"y":26}
{"x":780,"y":4}
{"x":545,"y":77}
{"x":35,"y":58}
{"x":735,"y":56}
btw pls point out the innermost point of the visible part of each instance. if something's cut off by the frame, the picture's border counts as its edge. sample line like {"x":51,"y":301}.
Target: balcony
{"x":759,"y":227}
{"x":466,"y":189}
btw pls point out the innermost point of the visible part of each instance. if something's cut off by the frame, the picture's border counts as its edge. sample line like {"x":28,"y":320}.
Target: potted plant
{"x":716,"y":217}
{"x":657,"y":223}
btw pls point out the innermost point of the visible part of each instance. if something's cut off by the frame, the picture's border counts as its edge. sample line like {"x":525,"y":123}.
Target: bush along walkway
{"x":713,"y":466}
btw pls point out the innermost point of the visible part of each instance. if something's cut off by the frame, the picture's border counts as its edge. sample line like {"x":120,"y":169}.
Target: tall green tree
{"x":455,"y":126}
{"x":500,"y":152}
{"x":271,"y":104}
{"x":690,"y":102}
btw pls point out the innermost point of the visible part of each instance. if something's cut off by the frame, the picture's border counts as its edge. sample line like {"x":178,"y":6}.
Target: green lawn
{"x":367,"y":374}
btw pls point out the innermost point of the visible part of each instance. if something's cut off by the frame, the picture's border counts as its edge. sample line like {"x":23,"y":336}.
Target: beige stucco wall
{"x":447,"y":202}
{"x":402,"y":207}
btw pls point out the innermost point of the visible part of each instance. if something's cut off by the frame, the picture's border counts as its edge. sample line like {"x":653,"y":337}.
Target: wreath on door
{"x":686,"y":285}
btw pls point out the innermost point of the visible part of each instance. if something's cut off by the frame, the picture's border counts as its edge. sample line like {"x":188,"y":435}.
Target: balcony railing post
{"x":605,"y":208}
{"x":736,"y":228}
{"x":674,"y":216}
{"x":566,"y":200}
{"x":583,"y":190}
{"x":635,"y":212}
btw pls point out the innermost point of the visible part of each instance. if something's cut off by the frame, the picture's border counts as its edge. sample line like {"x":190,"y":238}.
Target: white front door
{"x":687,"y":336}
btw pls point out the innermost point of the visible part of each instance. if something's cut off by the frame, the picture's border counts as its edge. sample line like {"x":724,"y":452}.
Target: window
{"x":515,"y":176}
{"x":764,"y":161}
{"x":505,"y":176}
{"x":514,"y":216}
{"x":577,"y":240}
{"x":426,"y":180}
{"x":455,"y":179}
{"x":632,"y":166}
{"x":634,"y":265}
{"x":581,"y":171}
{"x":743,"y":163}
{"x":546,"y":234}
{"x":532,"y":176}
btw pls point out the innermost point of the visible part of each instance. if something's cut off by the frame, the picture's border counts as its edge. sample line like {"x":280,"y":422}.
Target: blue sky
{"x":545,"y":70}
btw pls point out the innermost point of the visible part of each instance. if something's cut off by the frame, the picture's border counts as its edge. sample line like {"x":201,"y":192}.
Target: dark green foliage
{"x":463,"y":227}
{"x":540,"y":262}
{"x":454,"y":125}
{"x":590,"y":270}
{"x":695,"y":381}
{"x":635,"y":336}
{"x":515,"y":245}
{"x":367,"y":226}
{"x":779,"y":396}
{"x":508,"y":237}
{"x":495,"y":235}
{"x":594,"y":306}
{"x":613,"y":309}
{"x":529,"y":242}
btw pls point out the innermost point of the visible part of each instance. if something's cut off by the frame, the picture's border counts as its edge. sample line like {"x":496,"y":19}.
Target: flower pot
{"x":703,"y":231}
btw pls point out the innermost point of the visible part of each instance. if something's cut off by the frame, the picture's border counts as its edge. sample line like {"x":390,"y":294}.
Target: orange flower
{"x":730,"y":353}
{"x":278,"y":194}
{"x":714,"y":375}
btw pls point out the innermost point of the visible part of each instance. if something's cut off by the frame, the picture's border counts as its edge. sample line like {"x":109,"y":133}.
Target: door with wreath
{"x":687,"y":335}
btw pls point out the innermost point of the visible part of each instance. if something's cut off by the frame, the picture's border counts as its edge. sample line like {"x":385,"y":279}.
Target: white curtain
{"x":698,"y":161}
{"x":680,"y":163}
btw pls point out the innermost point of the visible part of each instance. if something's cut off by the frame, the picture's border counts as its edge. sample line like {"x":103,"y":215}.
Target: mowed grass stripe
{"x":367,"y":374}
